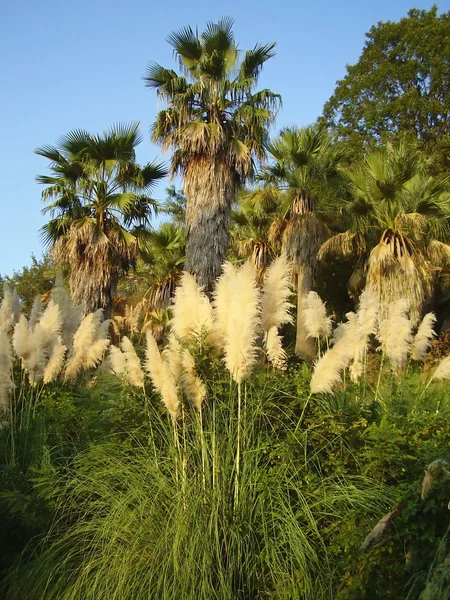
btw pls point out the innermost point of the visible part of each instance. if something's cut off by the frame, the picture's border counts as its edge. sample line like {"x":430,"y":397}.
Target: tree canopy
{"x":400,"y":84}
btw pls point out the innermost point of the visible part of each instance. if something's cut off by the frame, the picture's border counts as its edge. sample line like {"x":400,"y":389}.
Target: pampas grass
{"x":55,"y":363}
{"x":396,"y":337}
{"x":9,"y":309}
{"x":275,"y":305}
{"x":423,"y":337}
{"x":314,"y":314}
{"x":134,"y":372}
{"x":116,"y":362}
{"x":193,"y":386}
{"x":6,"y":383}
{"x":368,"y":310}
{"x":443,"y":369}
{"x":161,"y":376}
{"x":89,"y":344}
{"x":192,"y":313}
{"x":238,"y":306}
{"x":274,"y":348}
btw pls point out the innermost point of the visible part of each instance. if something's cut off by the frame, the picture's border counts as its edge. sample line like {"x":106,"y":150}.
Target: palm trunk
{"x":304,"y":346}
{"x":210,"y":189}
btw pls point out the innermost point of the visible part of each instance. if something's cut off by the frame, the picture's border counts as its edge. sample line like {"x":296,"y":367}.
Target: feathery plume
{"x":315,"y":318}
{"x":135,"y":374}
{"x":395,"y":335}
{"x":223,"y":295}
{"x":443,"y":369}
{"x":192,"y":313}
{"x":88,"y":347}
{"x":274,"y":349}
{"x":242,"y":321}
{"x":6,"y":384}
{"x":423,"y":337}
{"x":193,"y":386}
{"x":21,"y":339}
{"x":49,"y":325}
{"x":275,"y":305}
{"x":172,"y":353}
{"x":55,"y":363}
{"x":328,"y":369}
{"x":9,"y":309}
{"x":116,"y":362}
{"x":161,"y":376}
{"x":368,"y":311}
{"x":36,"y":311}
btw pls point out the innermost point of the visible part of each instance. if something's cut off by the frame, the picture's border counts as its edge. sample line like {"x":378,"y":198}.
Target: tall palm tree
{"x":399,"y":217}
{"x":99,"y":207}
{"x":305,"y":181}
{"x":217,"y":126}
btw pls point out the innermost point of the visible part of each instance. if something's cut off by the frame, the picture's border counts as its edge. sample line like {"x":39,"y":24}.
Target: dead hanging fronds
{"x":395,"y":335}
{"x":302,"y":238}
{"x":238,"y":306}
{"x":9,"y":309}
{"x":397,"y":270}
{"x":438,"y":253}
{"x":314,"y":315}
{"x":423,"y":337}
{"x":343,"y":244}
{"x":159,"y":370}
{"x":192,"y":313}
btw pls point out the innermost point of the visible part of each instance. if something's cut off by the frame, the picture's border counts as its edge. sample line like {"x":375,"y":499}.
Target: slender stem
{"x":379,"y":376}
{"x":202,"y":441}
{"x":238,"y":450}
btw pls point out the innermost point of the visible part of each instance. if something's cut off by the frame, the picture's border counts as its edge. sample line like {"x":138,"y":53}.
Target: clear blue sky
{"x":79,"y":64}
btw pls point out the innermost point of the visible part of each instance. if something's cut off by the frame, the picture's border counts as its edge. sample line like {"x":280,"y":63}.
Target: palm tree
{"x":397,"y":216}
{"x":305,"y":181}
{"x":99,"y":207}
{"x":217,"y":125}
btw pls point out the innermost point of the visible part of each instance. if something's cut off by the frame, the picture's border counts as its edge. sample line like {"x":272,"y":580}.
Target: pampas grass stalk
{"x":9,"y":309}
{"x":55,"y":363}
{"x":192,"y":313}
{"x":116,"y":360}
{"x":161,"y":376}
{"x":314,"y":315}
{"x":396,"y":337}
{"x":275,"y":350}
{"x":275,"y":305}
{"x":135,"y":374}
{"x":423,"y":337}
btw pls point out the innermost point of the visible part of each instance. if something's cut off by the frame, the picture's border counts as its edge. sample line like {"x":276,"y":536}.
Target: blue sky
{"x":79,"y":64}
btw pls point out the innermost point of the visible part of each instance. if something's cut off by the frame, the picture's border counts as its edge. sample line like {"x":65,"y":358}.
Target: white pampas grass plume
{"x":49,"y":325}
{"x":116,"y":362}
{"x":315,"y":318}
{"x":443,"y":369}
{"x":423,"y":337}
{"x":242,"y":322}
{"x":71,"y":315}
{"x":161,"y":376}
{"x":6,"y":384}
{"x":21,"y":338}
{"x":89,"y":344}
{"x":192,"y":313}
{"x":172,"y":353}
{"x":9,"y":309}
{"x":368,"y":311}
{"x":223,"y":296}
{"x":274,"y":349}
{"x":55,"y":363}
{"x":135,"y":374}
{"x":395,"y":335}
{"x":328,"y":369}
{"x":275,"y":307}
{"x":193,"y":386}
{"x":36,"y":311}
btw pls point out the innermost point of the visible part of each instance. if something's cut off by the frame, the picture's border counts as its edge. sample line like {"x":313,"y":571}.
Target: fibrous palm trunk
{"x":210,"y":188}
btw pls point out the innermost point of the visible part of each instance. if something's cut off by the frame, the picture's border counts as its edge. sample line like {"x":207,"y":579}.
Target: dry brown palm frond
{"x":438,"y":253}
{"x":394,"y":273}
{"x":343,"y":244}
{"x":380,"y":528}
{"x":276,"y":232}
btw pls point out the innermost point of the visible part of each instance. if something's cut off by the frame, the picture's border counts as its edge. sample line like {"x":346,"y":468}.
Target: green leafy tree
{"x":217,"y":126}
{"x":34,"y":280}
{"x":399,"y":86}
{"x":100,"y":208}
{"x":305,"y":182}
{"x":398,"y":217}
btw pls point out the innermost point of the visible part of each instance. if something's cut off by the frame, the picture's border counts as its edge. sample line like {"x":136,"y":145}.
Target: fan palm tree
{"x":99,"y":207}
{"x":399,"y":217}
{"x":304,"y":180}
{"x":217,"y":126}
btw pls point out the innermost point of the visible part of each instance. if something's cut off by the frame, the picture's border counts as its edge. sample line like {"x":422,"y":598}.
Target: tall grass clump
{"x":126,"y":526}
